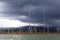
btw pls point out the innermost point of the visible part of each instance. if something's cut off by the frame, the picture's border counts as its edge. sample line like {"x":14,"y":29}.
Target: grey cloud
{"x":51,"y":8}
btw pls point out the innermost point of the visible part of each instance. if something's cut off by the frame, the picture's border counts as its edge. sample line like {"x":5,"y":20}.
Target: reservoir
{"x":29,"y":37}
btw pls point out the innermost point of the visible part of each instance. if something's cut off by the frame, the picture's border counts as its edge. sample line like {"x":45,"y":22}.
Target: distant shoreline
{"x":25,"y":33}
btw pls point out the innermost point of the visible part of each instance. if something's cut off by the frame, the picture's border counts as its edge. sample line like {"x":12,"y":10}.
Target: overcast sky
{"x":19,"y":10}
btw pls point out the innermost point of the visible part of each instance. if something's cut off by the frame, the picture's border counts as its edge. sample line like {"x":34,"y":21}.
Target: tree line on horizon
{"x":33,"y":29}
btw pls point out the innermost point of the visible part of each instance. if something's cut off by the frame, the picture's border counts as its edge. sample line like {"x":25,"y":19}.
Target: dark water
{"x":29,"y":37}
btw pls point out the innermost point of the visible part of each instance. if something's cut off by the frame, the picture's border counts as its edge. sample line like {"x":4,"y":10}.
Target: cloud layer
{"x":19,"y":10}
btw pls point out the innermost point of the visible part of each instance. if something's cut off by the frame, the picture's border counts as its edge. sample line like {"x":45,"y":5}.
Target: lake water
{"x":29,"y":37}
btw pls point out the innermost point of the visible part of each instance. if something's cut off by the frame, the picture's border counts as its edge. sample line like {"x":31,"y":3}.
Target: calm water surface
{"x":29,"y":37}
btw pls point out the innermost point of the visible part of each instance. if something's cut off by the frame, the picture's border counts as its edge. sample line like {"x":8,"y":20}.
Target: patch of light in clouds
{"x":13,"y":23}
{"x":3,"y":6}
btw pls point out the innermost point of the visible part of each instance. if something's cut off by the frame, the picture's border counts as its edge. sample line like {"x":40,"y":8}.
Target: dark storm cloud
{"x":17,"y":8}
